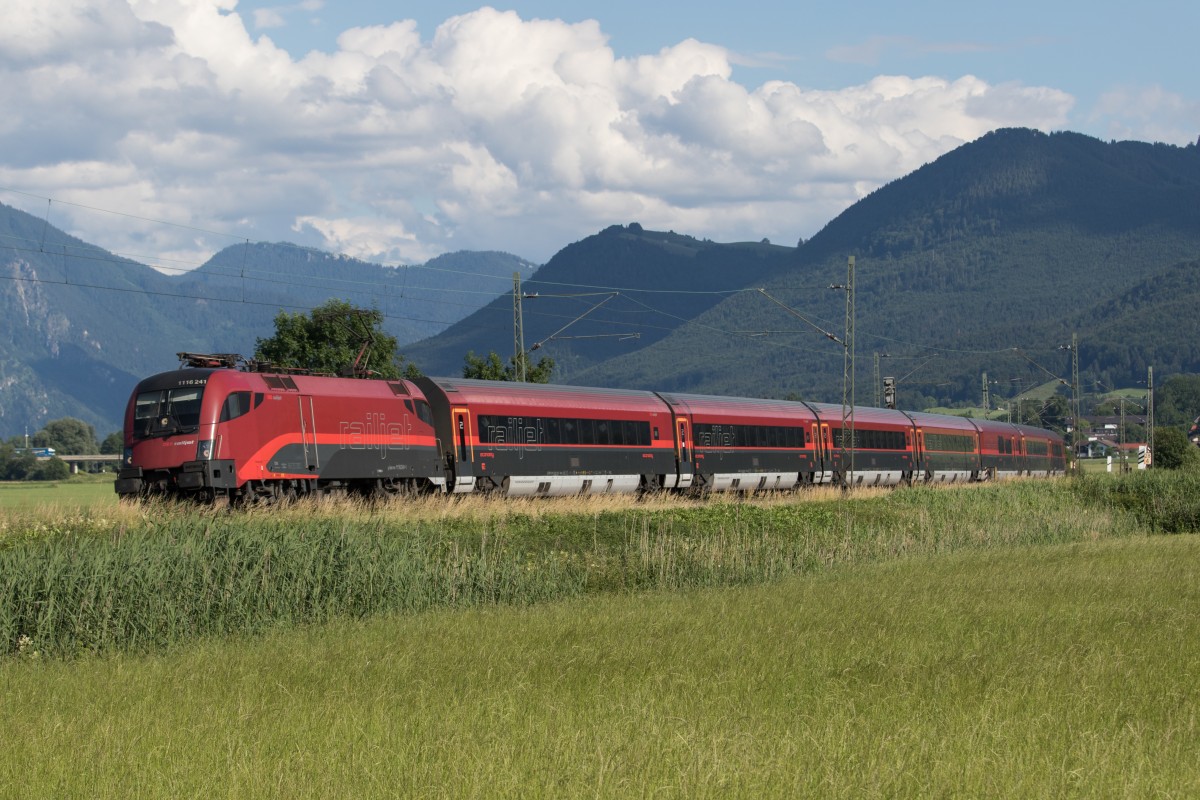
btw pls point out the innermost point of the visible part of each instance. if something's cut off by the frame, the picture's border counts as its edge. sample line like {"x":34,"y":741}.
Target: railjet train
{"x":222,"y":427}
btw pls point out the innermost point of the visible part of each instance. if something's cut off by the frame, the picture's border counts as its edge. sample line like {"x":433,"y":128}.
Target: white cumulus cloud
{"x":491,"y":132}
{"x":1147,"y":113}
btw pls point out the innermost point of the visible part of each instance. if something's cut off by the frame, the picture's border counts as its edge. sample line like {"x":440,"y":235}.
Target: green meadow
{"x":1036,"y":638}
{"x":79,"y":491}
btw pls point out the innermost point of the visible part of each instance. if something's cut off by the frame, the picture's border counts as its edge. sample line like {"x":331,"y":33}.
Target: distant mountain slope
{"x":82,"y":325}
{"x":419,"y":300}
{"x":1008,"y":242}
{"x":665,"y":279}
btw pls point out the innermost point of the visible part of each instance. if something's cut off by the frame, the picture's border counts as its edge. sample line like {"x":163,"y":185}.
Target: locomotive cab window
{"x":167,"y":411}
{"x":424,"y":413}
{"x":237,"y":404}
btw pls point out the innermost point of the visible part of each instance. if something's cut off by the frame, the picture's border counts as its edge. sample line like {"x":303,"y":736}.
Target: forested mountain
{"x":612,"y":294}
{"x":82,"y":325}
{"x":986,"y":260}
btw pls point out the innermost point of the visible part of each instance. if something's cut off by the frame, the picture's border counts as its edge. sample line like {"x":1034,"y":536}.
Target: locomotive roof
{"x":175,"y":379}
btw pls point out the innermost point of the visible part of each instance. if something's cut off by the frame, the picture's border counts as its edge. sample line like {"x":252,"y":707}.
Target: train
{"x":223,"y":428}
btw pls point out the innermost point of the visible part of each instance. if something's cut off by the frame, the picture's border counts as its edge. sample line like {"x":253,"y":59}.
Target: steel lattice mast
{"x":848,"y":379}
{"x":518,"y":331}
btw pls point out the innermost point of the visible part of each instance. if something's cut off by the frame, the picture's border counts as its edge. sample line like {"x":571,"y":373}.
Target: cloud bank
{"x":495,"y":132}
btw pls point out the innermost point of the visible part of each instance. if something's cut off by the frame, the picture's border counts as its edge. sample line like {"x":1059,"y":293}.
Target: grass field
{"x":78,"y":492}
{"x":138,"y":578}
{"x":1023,"y":639}
{"x":1066,"y":670}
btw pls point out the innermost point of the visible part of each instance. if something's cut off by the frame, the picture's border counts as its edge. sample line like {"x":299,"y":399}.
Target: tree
{"x":67,"y":435}
{"x":51,"y":469}
{"x":491,"y":368}
{"x":24,"y":466}
{"x":1177,"y":400}
{"x":1056,"y":413}
{"x":13,"y":464}
{"x":330,"y":340}
{"x":1172,"y":450}
{"x":113,"y":444}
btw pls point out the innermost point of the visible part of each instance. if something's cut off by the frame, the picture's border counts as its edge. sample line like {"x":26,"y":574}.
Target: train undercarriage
{"x":203,"y":484}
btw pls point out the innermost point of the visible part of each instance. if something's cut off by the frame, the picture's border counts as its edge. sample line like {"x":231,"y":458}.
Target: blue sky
{"x":1089,"y":49}
{"x":166,"y":129}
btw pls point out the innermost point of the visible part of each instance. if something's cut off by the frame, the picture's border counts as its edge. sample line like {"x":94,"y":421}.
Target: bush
{"x":54,"y":469}
{"x":1172,"y":450}
{"x":25,"y":467}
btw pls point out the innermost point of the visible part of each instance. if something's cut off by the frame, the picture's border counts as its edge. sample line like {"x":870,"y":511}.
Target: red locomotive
{"x":227,"y":428}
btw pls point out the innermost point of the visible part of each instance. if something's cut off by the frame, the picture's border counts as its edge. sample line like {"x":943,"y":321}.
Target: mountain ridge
{"x":85,"y":324}
{"x":988,"y":259}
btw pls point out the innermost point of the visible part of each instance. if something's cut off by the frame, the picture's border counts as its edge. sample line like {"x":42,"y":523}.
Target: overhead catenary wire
{"x":407,"y":290}
{"x":693,"y":322}
{"x":97,"y":256}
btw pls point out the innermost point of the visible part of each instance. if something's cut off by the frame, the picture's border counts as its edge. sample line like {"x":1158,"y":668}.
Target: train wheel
{"x":701,"y":486}
{"x":650,"y":484}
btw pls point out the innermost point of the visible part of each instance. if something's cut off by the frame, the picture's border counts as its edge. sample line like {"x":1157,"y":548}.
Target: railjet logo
{"x":517,"y":430}
{"x":375,"y":433}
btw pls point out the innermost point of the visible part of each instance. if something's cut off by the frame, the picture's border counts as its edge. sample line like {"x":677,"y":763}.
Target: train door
{"x":920,"y":458}
{"x":818,"y":454}
{"x":462,"y":436}
{"x":684,"y":452}
{"x":308,"y":432}
{"x":464,"y":450}
{"x":827,"y":456}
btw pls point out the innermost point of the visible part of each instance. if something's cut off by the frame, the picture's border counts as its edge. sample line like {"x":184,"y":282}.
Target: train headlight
{"x":204,"y":450}
{"x":127,"y":457}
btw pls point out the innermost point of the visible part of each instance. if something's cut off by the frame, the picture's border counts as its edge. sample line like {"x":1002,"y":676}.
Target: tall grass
{"x":148,"y":577}
{"x":1025,"y":672}
{"x":1162,"y":501}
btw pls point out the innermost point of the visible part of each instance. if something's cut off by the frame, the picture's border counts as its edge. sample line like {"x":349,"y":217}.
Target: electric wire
{"x":90,"y":253}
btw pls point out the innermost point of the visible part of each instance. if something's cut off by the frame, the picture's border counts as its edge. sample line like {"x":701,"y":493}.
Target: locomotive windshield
{"x":164,"y":412}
